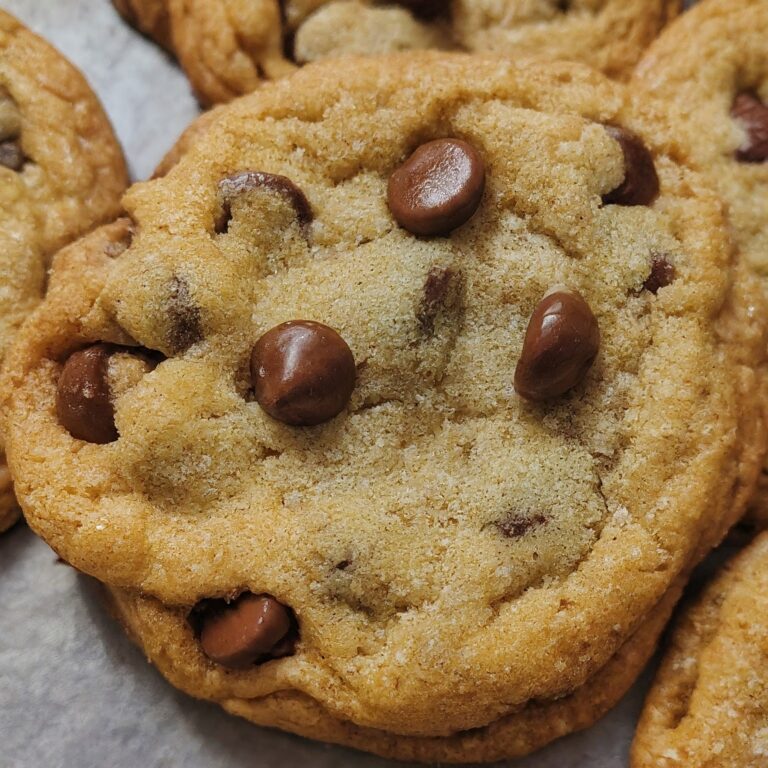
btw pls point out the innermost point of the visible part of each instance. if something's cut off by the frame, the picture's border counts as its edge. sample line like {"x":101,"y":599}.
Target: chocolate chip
{"x":11,"y":155}
{"x":752,"y":114}
{"x":83,"y":402}
{"x":641,"y":182}
{"x":254,"y":628}
{"x":303,"y":373}
{"x":561,"y":343}
{"x":232,"y":187}
{"x":438,"y":188}
{"x":662,"y":275}
{"x":517,"y":525}
{"x":185,"y":324}
{"x":437,"y":287}
{"x":425,"y":9}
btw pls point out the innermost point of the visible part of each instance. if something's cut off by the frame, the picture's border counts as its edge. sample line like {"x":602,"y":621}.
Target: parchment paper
{"x":74,"y":692}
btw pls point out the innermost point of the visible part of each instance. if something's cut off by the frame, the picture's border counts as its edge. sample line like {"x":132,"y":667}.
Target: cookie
{"x":61,"y":172}
{"x":711,"y":66}
{"x":709,"y":703}
{"x":227,"y":47}
{"x":393,"y":381}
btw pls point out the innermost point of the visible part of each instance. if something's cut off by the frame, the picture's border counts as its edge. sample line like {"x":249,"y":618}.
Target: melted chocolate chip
{"x":185,"y":324}
{"x":239,"y":184}
{"x":752,"y":114}
{"x":517,"y":525}
{"x":83,"y":402}
{"x":11,"y":155}
{"x":254,"y":628}
{"x":662,"y":275}
{"x":437,"y":287}
{"x":303,"y":373}
{"x":561,"y":344}
{"x":641,"y":182}
{"x":438,"y":188}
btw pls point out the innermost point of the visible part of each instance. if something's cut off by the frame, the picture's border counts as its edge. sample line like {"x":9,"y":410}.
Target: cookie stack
{"x":397,"y":409}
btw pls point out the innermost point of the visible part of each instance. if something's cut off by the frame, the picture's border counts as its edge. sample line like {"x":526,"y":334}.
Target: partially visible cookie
{"x":711,"y":66}
{"x":609,"y":35}
{"x":708,"y":707}
{"x":227,"y":47}
{"x":61,"y":172}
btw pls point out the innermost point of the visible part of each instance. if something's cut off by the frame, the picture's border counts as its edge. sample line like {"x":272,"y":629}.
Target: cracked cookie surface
{"x":227,"y":47}
{"x":711,"y":67}
{"x":708,"y":706}
{"x":413,"y":545}
{"x":61,"y":173}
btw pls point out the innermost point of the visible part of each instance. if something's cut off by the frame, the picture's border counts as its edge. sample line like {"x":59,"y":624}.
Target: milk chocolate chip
{"x":185,"y":320}
{"x":232,"y":187}
{"x":662,"y":275}
{"x":438,"y":286}
{"x":752,"y":114}
{"x":641,"y":182}
{"x":251,"y":629}
{"x":561,"y":343}
{"x":516,"y":525}
{"x":303,"y":373}
{"x":425,"y":9}
{"x":83,"y":402}
{"x":11,"y":155}
{"x":438,"y":188}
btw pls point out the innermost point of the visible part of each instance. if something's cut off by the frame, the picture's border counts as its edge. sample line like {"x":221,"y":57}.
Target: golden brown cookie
{"x":712,"y":68}
{"x":227,"y":47}
{"x":709,"y":704}
{"x":61,"y":172}
{"x":394,"y":381}
{"x":148,"y":16}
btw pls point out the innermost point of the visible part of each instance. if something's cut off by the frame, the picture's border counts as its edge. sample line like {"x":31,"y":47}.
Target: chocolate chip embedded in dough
{"x":641,"y":182}
{"x":560,"y":346}
{"x":438,"y":188}
{"x":232,"y":187}
{"x":516,"y":524}
{"x":752,"y":114}
{"x":303,"y":373}
{"x":251,"y":629}
{"x":438,"y":287}
{"x":185,"y":322}
{"x":426,"y":9}
{"x":11,"y":156}
{"x":662,"y":274}
{"x":83,"y":401}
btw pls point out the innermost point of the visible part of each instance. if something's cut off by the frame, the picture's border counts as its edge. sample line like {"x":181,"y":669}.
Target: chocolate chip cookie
{"x":227,"y":47}
{"x":372,"y":389}
{"x":711,"y":66}
{"x":61,"y":172}
{"x":709,"y":703}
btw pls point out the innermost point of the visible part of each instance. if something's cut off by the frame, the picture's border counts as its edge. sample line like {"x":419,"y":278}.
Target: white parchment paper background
{"x":74,"y":692}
